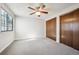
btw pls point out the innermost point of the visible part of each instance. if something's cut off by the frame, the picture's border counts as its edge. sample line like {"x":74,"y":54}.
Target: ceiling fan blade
{"x":44,"y":12}
{"x":32,"y":13}
{"x":31,"y":8}
{"x":42,"y":6}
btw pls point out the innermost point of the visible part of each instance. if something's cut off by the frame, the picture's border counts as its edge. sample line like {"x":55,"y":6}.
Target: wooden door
{"x":51,"y":28}
{"x":66,"y":29}
{"x":70,"y":29}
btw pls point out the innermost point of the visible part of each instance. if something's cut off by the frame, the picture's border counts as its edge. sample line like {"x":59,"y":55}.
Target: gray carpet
{"x":38,"y":47}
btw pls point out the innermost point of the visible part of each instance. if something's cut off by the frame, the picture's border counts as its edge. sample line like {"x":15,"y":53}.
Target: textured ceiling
{"x":21,"y":10}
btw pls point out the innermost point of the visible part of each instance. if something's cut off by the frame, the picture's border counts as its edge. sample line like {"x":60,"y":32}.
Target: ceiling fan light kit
{"x":37,"y":13}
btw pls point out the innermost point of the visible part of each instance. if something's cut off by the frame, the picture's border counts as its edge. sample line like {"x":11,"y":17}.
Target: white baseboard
{"x":29,"y":38}
{"x":6,"y":45}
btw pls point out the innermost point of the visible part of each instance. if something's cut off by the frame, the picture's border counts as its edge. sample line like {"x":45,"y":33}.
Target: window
{"x":6,"y":21}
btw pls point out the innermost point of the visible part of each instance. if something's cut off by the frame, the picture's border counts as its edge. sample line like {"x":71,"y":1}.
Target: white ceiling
{"x":21,"y":10}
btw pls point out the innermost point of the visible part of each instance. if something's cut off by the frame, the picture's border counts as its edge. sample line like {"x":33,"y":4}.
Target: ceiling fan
{"x":39,"y":10}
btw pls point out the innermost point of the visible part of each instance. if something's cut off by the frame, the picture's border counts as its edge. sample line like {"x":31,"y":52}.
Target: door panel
{"x":51,"y":28}
{"x":66,"y":29}
{"x":76,"y":30}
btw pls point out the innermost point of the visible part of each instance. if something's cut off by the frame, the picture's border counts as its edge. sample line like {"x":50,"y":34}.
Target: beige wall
{"x":29,"y":28}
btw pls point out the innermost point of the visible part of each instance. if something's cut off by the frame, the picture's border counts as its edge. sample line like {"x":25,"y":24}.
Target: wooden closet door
{"x":51,"y":28}
{"x":76,"y":30}
{"x":66,"y":29}
{"x":70,"y":29}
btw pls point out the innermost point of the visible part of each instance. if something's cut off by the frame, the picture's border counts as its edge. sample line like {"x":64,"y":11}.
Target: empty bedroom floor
{"x":40,"y":46}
